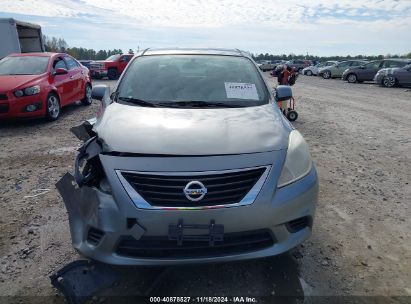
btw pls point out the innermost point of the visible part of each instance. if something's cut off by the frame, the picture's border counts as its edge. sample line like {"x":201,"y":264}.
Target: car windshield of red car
{"x":113,"y":58}
{"x":25,"y":65}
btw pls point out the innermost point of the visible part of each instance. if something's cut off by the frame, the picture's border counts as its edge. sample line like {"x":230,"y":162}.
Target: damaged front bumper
{"x":107,"y":224}
{"x":98,"y":223}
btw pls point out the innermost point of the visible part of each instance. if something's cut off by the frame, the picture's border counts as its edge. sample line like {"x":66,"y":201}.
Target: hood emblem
{"x":195,"y":191}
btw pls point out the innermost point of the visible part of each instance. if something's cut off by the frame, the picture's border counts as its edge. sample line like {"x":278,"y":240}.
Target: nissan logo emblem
{"x":195,"y":191}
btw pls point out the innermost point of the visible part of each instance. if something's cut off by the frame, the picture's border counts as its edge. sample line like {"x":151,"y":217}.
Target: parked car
{"x":336,"y":70}
{"x":86,"y":63}
{"x":298,"y":64}
{"x":313,"y":69}
{"x":40,"y":84}
{"x":390,"y":77}
{"x":368,"y":71}
{"x":184,"y":170}
{"x":112,"y":67}
{"x":267,"y":65}
{"x":19,"y":37}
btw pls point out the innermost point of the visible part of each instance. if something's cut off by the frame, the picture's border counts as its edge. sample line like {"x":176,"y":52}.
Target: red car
{"x":40,"y":84}
{"x":112,"y":67}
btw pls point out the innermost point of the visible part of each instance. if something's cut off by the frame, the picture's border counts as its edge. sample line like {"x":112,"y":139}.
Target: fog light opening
{"x":299,"y":224}
{"x":32,"y":107}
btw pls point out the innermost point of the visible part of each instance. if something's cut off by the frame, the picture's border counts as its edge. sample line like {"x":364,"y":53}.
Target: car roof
{"x":195,"y":51}
{"x":398,"y":59}
{"x":39,"y":54}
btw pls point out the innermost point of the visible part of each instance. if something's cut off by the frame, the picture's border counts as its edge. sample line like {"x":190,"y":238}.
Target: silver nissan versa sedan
{"x":189,"y":160}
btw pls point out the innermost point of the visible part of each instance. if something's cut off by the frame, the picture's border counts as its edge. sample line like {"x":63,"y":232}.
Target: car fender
{"x":53,"y":89}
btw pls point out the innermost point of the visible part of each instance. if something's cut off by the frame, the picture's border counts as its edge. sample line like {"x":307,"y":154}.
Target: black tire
{"x":53,"y":107}
{"x":292,"y":115}
{"x":327,"y":74}
{"x":389,"y":81}
{"x":112,"y":74}
{"x":87,"y":100}
{"x":352,"y":78}
{"x":309,"y":73}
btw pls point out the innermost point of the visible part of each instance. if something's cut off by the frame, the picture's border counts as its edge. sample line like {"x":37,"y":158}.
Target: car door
{"x":403,"y":75}
{"x":76,"y":79}
{"x":61,"y":82}
{"x":369,"y":71}
{"x":340,"y":68}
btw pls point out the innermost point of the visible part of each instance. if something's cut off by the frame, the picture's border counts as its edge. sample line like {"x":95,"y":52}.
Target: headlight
{"x":32,"y":90}
{"x":18,"y":93}
{"x":27,"y":91}
{"x":298,"y":161}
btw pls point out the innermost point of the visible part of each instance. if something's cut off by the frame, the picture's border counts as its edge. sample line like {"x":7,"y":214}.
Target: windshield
{"x":113,"y":57}
{"x":193,"y":80}
{"x":25,"y":65}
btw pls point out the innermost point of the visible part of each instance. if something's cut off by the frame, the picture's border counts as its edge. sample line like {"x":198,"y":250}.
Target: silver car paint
{"x":124,"y":128}
{"x":230,"y":139}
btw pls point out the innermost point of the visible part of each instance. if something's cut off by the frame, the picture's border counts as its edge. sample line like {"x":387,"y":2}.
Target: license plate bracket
{"x":215,"y":233}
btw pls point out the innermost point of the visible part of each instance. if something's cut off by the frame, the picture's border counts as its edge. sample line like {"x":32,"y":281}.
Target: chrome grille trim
{"x":141,"y":203}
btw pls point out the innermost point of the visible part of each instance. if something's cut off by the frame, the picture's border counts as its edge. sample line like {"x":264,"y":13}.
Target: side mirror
{"x":60,"y":71}
{"x":283,"y":92}
{"x":362,"y":67}
{"x":101,"y":92}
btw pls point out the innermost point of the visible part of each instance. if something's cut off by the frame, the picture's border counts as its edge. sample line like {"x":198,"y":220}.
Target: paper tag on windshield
{"x":241,"y":90}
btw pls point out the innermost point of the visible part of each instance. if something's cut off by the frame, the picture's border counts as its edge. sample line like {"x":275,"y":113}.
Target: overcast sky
{"x":320,"y":27}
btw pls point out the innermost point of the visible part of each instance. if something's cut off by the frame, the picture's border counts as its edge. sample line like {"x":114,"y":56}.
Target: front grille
{"x":4,"y":108}
{"x":94,"y":236}
{"x":162,"y":247}
{"x":3,"y":96}
{"x":96,"y":66}
{"x":168,"y":190}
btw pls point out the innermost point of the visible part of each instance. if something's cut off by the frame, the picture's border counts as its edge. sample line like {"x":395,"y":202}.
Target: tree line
{"x":53,"y":44}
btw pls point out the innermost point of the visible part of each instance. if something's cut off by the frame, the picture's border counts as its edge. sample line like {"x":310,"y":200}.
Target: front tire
{"x":309,"y":73}
{"x":327,"y":75}
{"x":389,"y":81}
{"x":87,"y":100}
{"x":53,"y":107}
{"x":112,"y":74}
{"x":352,"y":78}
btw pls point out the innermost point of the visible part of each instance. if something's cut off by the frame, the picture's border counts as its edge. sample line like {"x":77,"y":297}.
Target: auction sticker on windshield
{"x":240,"y":90}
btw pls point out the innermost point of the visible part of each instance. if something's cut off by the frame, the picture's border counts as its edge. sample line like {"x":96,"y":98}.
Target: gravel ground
{"x":360,"y":139}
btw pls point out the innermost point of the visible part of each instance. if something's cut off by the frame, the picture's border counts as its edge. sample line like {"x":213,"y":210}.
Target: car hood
{"x":388,"y":70}
{"x":179,"y":131}
{"x":353,"y":69}
{"x":12,"y":82}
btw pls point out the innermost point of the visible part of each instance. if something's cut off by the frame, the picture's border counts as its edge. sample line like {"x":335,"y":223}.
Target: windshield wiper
{"x":198,"y":104}
{"x":137,"y":101}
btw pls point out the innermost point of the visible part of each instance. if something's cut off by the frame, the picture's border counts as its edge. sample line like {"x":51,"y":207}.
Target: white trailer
{"x":19,"y":37}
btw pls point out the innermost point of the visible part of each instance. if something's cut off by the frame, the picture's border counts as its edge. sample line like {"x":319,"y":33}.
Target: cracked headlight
{"x":298,"y":161}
